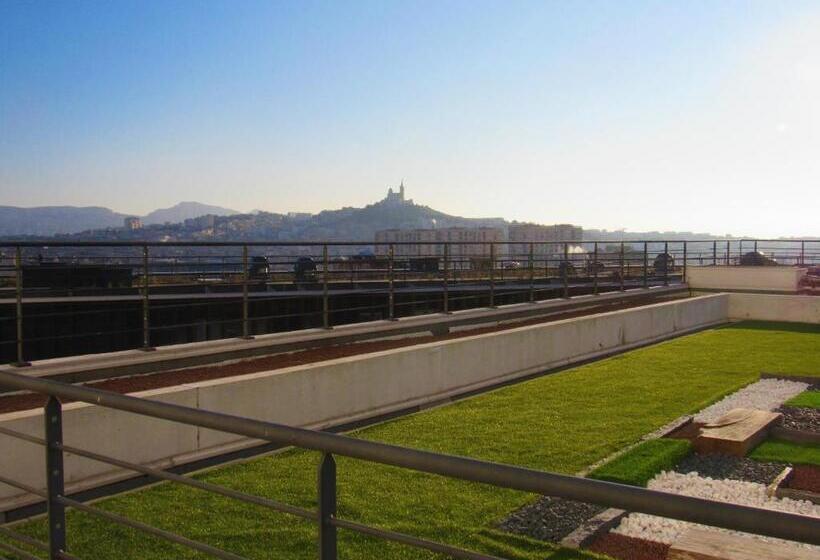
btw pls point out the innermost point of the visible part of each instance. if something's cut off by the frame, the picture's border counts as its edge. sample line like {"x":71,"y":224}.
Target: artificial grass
{"x":806,"y":399}
{"x":640,"y":464}
{"x":562,"y":423}
{"x":780,"y":451}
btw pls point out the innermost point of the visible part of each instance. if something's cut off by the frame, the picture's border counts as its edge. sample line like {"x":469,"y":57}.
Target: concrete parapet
{"x":338,"y":391}
{"x":783,"y":279}
{"x":773,"y":307}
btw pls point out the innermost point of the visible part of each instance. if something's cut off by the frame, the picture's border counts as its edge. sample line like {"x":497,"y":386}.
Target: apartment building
{"x":545,"y":239}
{"x":467,"y":242}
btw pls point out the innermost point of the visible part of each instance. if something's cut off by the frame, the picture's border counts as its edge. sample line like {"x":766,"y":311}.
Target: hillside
{"x":53,"y":220}
{"x":185,"y":211}
{"x":363,"y":223}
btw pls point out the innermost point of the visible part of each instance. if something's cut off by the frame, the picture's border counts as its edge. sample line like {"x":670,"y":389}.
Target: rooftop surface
{"x":563,"y":422}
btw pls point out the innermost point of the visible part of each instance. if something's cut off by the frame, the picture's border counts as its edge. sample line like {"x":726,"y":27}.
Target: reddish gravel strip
{"x":12,"y":403}
{"x":805,"y":477}
{"x":629,"y":548}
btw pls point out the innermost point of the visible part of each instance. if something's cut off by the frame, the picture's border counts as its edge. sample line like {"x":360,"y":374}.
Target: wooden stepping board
{"x":737,"y":432}
{"x":698,"y":544}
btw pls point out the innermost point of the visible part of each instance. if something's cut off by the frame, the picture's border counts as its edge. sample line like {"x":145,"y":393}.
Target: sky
{"x":658,"y":115}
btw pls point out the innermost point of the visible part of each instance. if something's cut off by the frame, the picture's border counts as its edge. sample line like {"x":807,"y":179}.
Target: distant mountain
{"x":52,"y":220}
{"x":185,"y":211}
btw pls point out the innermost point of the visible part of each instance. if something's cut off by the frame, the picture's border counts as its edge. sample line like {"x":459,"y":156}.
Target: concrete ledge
{"x":339,"y":391}
{"x":770,"y":307}
{"x":780,"y":279}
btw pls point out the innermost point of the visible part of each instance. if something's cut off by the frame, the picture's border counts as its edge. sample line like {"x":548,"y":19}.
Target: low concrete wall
{"x":773,"y":307}
{"x":745,"y":278}
{"x":338,"y":391}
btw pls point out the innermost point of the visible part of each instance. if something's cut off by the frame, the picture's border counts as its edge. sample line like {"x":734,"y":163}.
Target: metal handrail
{"x":719,"y":514}
{"x":153,"y":273}
{"x":273,"y":243}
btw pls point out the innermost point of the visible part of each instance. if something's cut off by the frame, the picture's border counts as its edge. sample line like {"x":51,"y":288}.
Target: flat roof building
{"x":422,"y":242}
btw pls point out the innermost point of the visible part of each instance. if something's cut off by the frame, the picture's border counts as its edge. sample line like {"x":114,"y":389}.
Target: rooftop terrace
{"x":564,"y":422}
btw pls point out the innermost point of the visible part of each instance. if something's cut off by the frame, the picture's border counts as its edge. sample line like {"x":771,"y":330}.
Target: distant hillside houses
{"x":474,"y":241}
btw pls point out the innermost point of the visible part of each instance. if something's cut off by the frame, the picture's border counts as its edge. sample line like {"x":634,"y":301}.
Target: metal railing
{"x":69,"y":298}
{"x":634,"y":499}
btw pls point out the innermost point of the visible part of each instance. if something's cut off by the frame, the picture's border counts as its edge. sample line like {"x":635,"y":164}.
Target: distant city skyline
{"x":689,"y":116}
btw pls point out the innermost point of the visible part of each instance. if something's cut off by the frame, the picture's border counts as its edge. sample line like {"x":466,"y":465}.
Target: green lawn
{"x":807,"y":399}
{"x":640,"y":464}
{"x":779,"y":451}
{"x":562,"y":422}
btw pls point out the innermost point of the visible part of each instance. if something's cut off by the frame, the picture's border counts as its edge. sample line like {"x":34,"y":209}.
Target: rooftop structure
{"x":132,"y":223}
{"x":541,"y":236}
{"x":468,"y":242}
{"x":597,"y":458}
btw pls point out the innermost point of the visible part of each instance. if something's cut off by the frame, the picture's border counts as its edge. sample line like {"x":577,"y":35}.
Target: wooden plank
{"x":737,"y":432}
{"x":700,"y":544}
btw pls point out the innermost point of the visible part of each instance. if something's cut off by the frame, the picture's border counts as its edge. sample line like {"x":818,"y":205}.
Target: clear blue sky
{"x":641,"y":115}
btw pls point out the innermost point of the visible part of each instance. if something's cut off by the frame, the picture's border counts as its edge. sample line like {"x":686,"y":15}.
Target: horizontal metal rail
{"x":138,"y":244}
{"x":411,"y":540}
{"x":23,"y":538}
{"x":166,"y":535}
{"x":151,"y":530}
{"x":34,"y":543}
{"x":18,"y":552}
{"x":169,"y":476}
{"x":707,"y":512}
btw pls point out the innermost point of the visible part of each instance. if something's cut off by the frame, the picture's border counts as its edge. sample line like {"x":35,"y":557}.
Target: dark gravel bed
{"x":726,"y":466}
{"x":549,"y":519}
{"x":629,"y":548}
{"x":806,"y":419}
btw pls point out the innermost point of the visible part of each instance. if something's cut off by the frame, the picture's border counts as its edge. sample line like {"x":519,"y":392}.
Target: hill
{"x":185,"y":211}
{"x":53,"y":220}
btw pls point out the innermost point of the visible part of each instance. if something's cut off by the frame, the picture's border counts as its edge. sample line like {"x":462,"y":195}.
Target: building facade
{"x":132,"y":223}
{"x":466,"y":242}
{"x":546,"y":240}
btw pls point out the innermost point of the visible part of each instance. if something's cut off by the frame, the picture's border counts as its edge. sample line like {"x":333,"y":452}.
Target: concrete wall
{"x":338,"y":391}
{"x":745,"y":278}
{"x":774,"y":307}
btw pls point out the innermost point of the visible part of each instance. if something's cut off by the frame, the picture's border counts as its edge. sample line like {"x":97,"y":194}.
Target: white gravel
{"x":660,"y":529}
{"x":766,"y":394}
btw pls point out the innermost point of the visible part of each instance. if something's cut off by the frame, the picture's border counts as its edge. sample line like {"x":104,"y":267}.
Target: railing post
{"x":18,"y":269}
{"x":245,"y":276}
{"x":54,"y":478}
{"x":645,"y":264}
{"x":728,"y":250}
{"x":146,"y":303}
{"x":714,"y":253}
{"x":666,"y":257}
{"x":325,"y":295}
{"x":565,"y":268}
{"x":391,"y":277}
{"x":532,"y":273}
{"x":802,"y":253}
{"x":327,"y":508}
{"x":684,"y":262}
{"x":492,"y":274}
{"x":623,"y":287}
{"x":595,"y":269}
{"x":446,"y":278}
